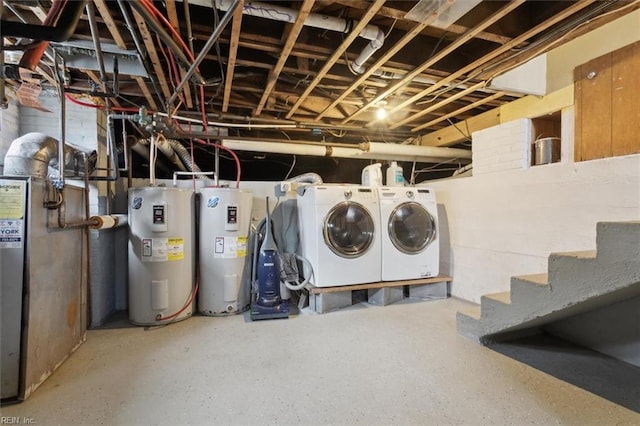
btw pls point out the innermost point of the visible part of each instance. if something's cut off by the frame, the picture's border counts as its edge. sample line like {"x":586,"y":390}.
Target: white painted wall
{"x":506,"y":222}
{"x":607,"y":38}
{"x":504,"y":147}
{"x":9,"y":129}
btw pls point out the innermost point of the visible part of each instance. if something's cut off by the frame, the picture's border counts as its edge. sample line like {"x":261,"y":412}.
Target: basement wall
{"x":85,"y":127}
{"x":600,"y":330}
{"x":9,"y":129}
{"x":505,"y":220}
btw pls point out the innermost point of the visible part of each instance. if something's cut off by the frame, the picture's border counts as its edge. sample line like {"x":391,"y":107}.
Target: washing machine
{"x":340,"y":234}
{"x":410,"y":247}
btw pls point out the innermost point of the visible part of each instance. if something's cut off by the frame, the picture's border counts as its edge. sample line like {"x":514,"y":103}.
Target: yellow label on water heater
{"x":175,"y":248}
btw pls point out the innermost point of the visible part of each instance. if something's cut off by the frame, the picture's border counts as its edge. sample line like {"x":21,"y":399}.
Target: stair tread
{"x":535,"y":279}
{"x":471,"y":312}
{"x":586,"y":254}
{"x":504,"y":297}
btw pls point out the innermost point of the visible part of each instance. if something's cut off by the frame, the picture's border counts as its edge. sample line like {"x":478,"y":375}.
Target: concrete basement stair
{"x":576,"y":283}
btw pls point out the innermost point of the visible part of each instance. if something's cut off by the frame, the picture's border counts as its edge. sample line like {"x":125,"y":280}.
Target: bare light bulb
{"x":381,"y":114}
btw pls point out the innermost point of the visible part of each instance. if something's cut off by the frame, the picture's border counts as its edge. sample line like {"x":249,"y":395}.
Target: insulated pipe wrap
{"x":108,"y":221}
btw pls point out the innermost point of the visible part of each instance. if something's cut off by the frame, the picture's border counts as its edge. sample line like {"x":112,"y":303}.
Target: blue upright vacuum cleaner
{"x":268,"y":303}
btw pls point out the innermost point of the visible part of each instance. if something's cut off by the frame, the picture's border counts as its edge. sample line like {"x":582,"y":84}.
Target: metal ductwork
{"x":63,"y":29}
{"x":35,"y":154}
{"x":309,"y":177}
{"x":177,"y":154}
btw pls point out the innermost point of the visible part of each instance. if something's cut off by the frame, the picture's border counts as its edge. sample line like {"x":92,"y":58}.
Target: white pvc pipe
{"x":285,"y":14}
{"x":419,"y":150}
{"x":315,"y":20}
{"x":275,"y":147}
{"x":367,"y":151}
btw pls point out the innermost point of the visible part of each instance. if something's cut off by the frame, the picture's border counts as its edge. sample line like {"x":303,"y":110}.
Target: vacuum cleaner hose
{"x":300,"y":286}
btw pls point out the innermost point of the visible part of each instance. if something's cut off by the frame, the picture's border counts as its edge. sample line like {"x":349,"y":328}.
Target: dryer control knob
{"x":410,"y":194}
{"x":348,"y":194}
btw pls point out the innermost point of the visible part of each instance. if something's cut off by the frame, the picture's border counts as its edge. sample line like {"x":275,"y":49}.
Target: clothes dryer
{"x":410,"y":246}
{"x":340,"y":234}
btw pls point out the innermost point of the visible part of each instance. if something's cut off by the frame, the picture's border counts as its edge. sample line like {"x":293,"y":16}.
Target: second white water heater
{"x":225,"y":267}
{"x":161,"y":254}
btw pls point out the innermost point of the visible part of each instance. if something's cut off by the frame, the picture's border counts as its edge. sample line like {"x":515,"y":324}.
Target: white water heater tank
{"x":225,"y":266}
{"x":161,"y":254}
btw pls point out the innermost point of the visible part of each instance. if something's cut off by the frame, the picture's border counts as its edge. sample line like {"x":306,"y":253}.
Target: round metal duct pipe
{"x":34,"y":153}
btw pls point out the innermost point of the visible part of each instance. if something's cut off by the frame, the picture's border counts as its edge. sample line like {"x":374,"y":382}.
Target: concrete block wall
{"x":502,"y":224}
{"x":503,"y":147}
{"x":81,"y":121}
{"x":9,"y":128}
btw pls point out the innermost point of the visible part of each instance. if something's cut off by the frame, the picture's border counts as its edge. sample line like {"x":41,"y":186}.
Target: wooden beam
{"x":153,"y":53}
{"x":371,"y":13}
{"x":304,"y":11}
{"x":388,"y":55}
{"x":510,"y":6}
{"x":459,"y":111}
{"x":233,"y":52}
{"x":398,"y":14}
{"x":103,"y":9}
{"x":175,"y":23}
{"x":462,"y":130}
{"x":438,"y":105}
{"x":575,"y":7}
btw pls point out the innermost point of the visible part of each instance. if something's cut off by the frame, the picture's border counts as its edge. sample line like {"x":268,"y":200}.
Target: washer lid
{"x":411,"y":227}
{"x":348,"y":229}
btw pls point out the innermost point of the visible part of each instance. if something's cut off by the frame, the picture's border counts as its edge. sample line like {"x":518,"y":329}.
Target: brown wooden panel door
{"x":594,"y":104}
{"x":625,"y":101}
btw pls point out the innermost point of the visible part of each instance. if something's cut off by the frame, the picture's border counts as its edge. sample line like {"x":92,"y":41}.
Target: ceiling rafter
{"x":172,"y":13}
{"x":391,"y":13}
{"x":272,"y":45}
{"x":388,"y":55}
{"x":440,"y":55}
{"x":233,"y":52}
{"x":371,"y":12}
{"x":460,"y":111}
{"x":272,"y":78}
{"x":153,"y":53}
{"x":103,"y":10}
{"x":576,"y":7}
{"x":442,"y":103}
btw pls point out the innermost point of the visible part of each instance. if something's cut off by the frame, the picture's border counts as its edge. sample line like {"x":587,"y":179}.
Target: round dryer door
{"x":411,"y":227}
{"x":348,"y":229}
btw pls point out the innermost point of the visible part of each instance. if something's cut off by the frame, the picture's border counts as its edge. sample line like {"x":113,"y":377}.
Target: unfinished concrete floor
{"x":399,"y":364}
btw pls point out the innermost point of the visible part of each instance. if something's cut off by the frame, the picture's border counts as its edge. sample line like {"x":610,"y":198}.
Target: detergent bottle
{"x":372,"y":175}
{"x":395,"y":176}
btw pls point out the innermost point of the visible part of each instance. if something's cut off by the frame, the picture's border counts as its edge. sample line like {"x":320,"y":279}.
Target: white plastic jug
{"x":372,"y":175}
{"x":395,"y":176}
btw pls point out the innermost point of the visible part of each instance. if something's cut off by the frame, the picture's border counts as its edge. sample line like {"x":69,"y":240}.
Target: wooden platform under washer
{"x":380,"y":284}
{"x":326,"y":299}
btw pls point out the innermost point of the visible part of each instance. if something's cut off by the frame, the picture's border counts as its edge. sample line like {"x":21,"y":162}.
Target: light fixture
{"x":381,"y":113}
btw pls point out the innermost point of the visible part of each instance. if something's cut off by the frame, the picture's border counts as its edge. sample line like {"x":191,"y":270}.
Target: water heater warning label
{"x":162,"y":249}
{"x":230,"y":247}
{"x":175,"y":248}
